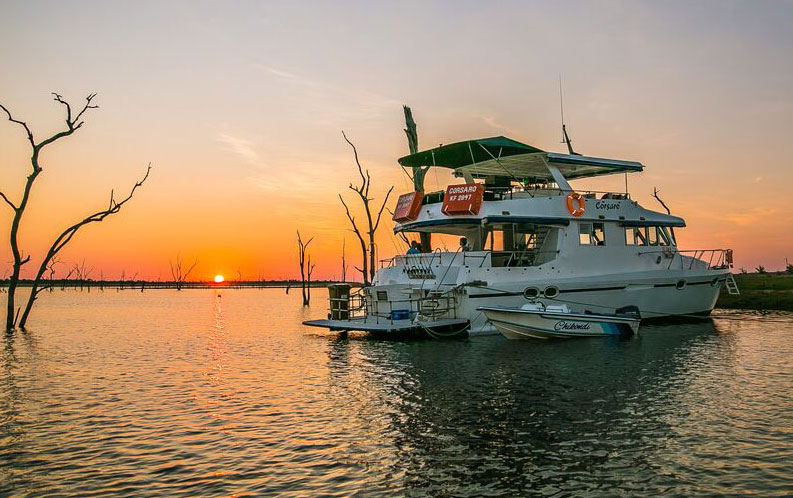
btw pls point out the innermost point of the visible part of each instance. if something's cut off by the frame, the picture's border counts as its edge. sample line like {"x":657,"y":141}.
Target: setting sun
{"x":219,"y":279}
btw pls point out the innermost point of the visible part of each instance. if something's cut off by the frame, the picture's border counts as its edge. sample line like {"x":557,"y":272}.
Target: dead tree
{"x":419,"y":172}
{"x":73,"y":123}
{"x":304,"y":271}
{"x":344,"y":260}
{"x":179,"y":272}
{"x":373,"y":223}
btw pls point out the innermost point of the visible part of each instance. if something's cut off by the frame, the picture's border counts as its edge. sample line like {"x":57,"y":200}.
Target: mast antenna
{"x":565,"y":137}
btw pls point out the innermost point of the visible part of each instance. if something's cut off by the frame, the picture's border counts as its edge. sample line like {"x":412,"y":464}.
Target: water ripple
{"x":204,"y":393}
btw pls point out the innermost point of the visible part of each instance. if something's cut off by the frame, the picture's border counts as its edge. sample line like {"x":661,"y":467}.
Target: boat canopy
{"x":504,"y":157}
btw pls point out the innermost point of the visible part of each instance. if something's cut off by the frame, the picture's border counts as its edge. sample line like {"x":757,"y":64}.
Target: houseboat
{"x":527,"y":235}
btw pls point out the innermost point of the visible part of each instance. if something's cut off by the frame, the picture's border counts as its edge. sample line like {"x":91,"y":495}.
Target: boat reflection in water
{"x":493,"y":416}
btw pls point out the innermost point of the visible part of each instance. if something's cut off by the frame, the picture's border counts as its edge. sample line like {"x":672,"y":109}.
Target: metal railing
{"x":717,"y":259}
{"x":433,"y":305}
{"x":426,"y":260}
{"x":496,"y":193}
{"x":420,"y":266}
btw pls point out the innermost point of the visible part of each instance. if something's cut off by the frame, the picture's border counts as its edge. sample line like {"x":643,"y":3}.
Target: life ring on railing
{"x":576,"y":198}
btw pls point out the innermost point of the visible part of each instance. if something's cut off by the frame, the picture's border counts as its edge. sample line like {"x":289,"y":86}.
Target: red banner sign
{"x":407,"y":207}
{"x":463,"y":199}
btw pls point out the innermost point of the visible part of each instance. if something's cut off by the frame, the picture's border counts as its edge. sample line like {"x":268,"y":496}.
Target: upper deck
{"x":526,"y":185}
{"x":540,"y":207}
{"x":503,"y":158}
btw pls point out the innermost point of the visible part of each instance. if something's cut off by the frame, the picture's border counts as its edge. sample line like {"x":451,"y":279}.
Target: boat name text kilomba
{"x":562,"y":325}
{"x":608,"y":206}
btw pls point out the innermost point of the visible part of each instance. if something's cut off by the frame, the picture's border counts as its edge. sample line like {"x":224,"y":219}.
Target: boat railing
{"x":434,"y":304}
{"x":503,"y":193}
{"x":708,"y":259}
{"x":424,"y":262}
{"x":422,"y":266}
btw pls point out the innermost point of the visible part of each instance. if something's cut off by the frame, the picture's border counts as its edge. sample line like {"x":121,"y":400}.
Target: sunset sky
{"x":239,"y":106}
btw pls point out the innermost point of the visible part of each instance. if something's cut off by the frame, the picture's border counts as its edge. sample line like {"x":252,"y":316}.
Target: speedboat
{"x":537,"y":321}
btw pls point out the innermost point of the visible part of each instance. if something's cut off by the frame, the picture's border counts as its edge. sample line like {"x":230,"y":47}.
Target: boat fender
{"x":580,"y":204}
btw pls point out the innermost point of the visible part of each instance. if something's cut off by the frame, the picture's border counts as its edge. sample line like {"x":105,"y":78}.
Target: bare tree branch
{"x":379,"y":213}
{"x":8,"y":201}
{"x":21,"y":123}
{"x":360,"y":169}
{"x":358,"y":234}
{"x":64,"y":239}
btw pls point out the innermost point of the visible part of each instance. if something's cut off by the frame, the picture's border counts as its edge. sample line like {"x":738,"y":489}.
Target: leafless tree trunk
{"x":364,"y":266}
{"x":373,"y":223}
{"x":301,"y":246}
{"x":344,"y":260}
{"x":419,"y":172}
{"x":309,"y":270}
{"x":72,"y":125}
{"x":179,"y":272}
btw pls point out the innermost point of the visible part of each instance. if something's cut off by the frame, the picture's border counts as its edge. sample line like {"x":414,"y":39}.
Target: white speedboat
{"x":531,"y":236}
{"x":537,"y":321}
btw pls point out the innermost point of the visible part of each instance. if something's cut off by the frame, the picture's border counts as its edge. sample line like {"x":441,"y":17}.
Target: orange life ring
{"x":580,"y":202}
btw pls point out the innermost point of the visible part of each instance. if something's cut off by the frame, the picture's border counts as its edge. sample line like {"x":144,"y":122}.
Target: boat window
{"x":635,"y":236}
{"x":672,"y":234}
{"x":592,"y":234}
{"x":652,"y":236}
{"x":666,"y":235}
{"x":663,"y":237}
{"x":584,"y":229}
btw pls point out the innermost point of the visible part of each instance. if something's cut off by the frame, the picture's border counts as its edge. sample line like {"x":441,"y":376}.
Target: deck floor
{"x":384,"y":325}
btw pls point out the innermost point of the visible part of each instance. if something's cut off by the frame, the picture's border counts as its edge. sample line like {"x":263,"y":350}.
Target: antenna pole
{"x":565,"y":137}
{"x":561,"y":104}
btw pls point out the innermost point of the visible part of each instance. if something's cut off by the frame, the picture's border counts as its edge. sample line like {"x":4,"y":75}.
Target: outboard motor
{"x":628,"y":310}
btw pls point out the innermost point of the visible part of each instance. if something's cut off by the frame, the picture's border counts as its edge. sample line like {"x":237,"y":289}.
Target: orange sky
{"x":240,"y":110}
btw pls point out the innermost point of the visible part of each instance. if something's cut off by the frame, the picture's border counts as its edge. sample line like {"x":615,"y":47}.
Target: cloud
{"x":339,"y":103}
{"x":752,"y":216}
{"x":240,"y":147}
{"x":493,"y":123}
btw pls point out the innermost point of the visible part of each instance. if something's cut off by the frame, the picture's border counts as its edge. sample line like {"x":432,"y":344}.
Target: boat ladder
{"x":732,"y":285}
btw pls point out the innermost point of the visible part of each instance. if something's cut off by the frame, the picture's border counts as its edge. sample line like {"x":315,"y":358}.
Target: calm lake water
{"x":205,"y":393}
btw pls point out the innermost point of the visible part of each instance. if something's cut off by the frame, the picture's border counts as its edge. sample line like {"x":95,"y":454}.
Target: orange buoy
{"x":580,"y":204}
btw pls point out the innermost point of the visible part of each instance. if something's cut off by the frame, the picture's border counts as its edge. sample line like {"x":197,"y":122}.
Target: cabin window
{"x":665,"y":237}
{"x":632,"y":237}
{"x":652,"y":234}
{"x":592,"y":234}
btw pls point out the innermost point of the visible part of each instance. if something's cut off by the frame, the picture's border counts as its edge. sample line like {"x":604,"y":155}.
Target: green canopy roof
{"x":501,"y":156}
{"x":465,"y":153}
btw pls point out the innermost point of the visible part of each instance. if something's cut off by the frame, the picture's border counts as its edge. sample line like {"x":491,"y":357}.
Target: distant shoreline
{"x":146,"y":284}
{"x":760,"y":291}
{"x":768,"y":291}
